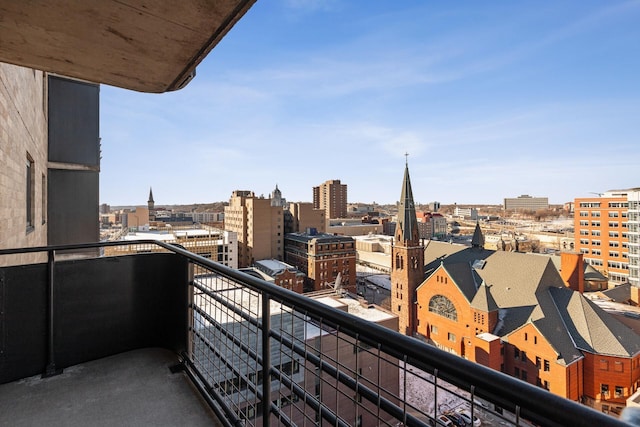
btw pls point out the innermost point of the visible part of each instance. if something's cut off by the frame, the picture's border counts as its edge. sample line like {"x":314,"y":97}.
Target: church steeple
{"x":477,"y":241}
{"x":151,"y":206}
{"x":407,"y":224}
{"x":407,"y":261}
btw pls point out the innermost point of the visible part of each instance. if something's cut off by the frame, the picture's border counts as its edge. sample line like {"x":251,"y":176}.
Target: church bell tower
{"x":407,"y":261}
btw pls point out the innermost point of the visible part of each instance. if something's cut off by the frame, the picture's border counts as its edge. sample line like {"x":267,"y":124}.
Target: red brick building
{"x":512,"y":312}
{"x":323,"y":258}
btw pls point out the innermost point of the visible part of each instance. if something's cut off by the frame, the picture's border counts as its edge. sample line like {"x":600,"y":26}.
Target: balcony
{"x":158,"y":335}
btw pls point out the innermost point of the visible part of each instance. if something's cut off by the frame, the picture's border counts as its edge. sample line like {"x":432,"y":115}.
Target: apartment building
{"x":332,"y":197}
{"x":259,"y":226}
{"x":327,"y":260}
{"x":606,"y":232}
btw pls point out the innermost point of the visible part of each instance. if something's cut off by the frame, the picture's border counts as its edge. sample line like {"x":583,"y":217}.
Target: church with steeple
{"x":151,"y":206}
{"x":407,"y":261}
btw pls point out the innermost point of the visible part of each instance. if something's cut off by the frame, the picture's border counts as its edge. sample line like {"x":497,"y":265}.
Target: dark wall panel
{"x":72,"y":207}
{"x":74,"y":135}
{"x":102,"y":307}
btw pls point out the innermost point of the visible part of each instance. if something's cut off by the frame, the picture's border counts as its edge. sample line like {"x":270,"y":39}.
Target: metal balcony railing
{"x":258,"y":353}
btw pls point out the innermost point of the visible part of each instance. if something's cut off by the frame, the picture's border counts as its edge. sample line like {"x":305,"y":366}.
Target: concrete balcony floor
{"x":130,"y":389}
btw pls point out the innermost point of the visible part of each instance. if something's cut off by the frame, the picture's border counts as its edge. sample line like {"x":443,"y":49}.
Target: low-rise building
{"x":327,"y":260}
{"x":281,"y":274}
{"x":526,"y":203}
{"x":214,"y":244}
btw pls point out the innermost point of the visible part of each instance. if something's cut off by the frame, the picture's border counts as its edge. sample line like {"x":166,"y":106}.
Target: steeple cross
{"x":406,"y":157}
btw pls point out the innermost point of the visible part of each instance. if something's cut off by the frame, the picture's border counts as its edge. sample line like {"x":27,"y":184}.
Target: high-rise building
{"x":407,"y":261}
{"x":607,"y":233}
{"x":332,"y":197}
{"x":259,"y":226}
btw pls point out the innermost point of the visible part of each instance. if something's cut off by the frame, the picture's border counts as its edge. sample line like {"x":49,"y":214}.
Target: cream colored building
{"x":259,"y":226}
{"x":301,"y":216}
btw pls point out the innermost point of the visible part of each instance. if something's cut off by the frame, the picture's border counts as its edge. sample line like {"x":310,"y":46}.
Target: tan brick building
{"x":259,"y":226}
{"x":332,"y":197}
{"x":302,"y":216}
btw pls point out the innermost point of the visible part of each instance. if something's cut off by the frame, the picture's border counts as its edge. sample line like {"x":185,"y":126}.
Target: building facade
{"x":526,"y":203}
{"x":215,"y":244}
{"x":606,"y":232}
{"x":302,"y":216}
{"x":49,"y":154}
{"x":326,"y":259}
{"x":259,"y":226}
{"x":431,"y":225}
{"x":332,"y":197}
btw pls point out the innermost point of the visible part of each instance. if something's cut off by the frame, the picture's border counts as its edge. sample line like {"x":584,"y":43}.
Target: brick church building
{"x":513,"y":312}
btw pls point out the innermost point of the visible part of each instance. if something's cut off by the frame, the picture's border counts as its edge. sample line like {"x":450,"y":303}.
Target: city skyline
{"x":491,"y":100}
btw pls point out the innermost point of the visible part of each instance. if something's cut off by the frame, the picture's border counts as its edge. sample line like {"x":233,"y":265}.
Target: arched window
{"x":441,"y":305}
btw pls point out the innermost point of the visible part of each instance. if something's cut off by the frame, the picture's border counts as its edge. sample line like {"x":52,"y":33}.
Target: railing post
{"x":266,"y":360}
{"x":50,"y":369}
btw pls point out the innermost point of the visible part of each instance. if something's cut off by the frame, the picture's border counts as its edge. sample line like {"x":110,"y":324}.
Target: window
{"x":30,"y":192}
{"x":516,"y":372}
{"x":546,"y":365}
{"x":604,"y":365}
{"x":516,"y":353}
{"x":619,"y":391}
{"x":523,"y":356}
{"x":618,"y":367}
{"x":434,"y":329}
{"x":44,"y":199}
{"x":604,"y":390}
{"x":442,"y":306}
{"x":452,"y":337}
{"x":613,"y":214}
{"x":538,"y":362}
{"x":524,"y":375}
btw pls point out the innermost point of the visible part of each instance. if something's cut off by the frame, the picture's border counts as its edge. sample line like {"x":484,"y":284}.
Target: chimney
{"x":572,"y":270}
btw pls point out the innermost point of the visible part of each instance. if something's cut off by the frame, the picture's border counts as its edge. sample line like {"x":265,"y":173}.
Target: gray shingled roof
{"x":483,"y":300}
{"x":593,"y":329}
{"x":621,"y":293}
{"x":527,"y":288}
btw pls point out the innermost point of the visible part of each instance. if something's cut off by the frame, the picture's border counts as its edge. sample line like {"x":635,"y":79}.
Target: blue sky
{"x":491,"y":99}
